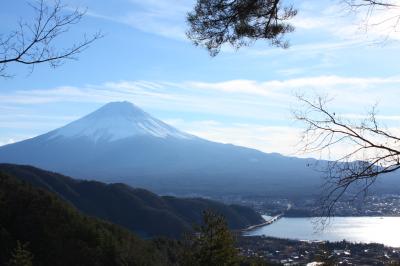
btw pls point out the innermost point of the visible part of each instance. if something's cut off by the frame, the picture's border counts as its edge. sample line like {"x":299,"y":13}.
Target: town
{"x":371,"y":205}
{"x":293,"y":252}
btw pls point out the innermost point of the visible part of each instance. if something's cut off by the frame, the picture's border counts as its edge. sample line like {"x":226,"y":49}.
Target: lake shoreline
{"x":267,"y":222}
{"x":364,"y":229}
{"x":342,"y":216}
{"x":303,"y":252}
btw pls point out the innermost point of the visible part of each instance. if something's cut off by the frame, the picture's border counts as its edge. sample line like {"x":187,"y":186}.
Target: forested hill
{"x":139,"y":210}
{"x":53,"y":233}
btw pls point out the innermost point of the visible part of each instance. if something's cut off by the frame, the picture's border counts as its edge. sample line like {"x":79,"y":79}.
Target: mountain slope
{"x":58,"y":235}
{"x":121,"y":143}
{"x":136,"y":209}
{"x":117,"y":120}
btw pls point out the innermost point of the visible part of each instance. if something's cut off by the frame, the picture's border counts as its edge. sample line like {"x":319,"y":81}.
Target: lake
{"x":384,"y":230}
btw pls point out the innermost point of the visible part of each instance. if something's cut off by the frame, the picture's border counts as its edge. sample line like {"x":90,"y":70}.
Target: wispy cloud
{"x":281,"y":139}
{"x":243,"y":112}
{"x":6,"y":141}
{"x":192,"y":94}
{"x":164,"y":18}
{"x":362,"y":24}
{"x":329,"y":26}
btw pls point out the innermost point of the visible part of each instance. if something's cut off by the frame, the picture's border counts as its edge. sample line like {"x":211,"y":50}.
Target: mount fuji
{"x":116,"y":121}
{"x":121,"y":143}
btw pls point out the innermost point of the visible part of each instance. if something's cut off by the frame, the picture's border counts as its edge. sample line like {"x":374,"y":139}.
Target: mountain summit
{"x":121,"y":143}
{"x":115,"y":121}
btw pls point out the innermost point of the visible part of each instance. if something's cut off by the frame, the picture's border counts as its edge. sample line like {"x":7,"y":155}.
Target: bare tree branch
{"x":370,"y":3}
{"x":36,"y":42}
{"x":374,"y":150}
{"x":384,"y":14}
{"x":213,"y":23}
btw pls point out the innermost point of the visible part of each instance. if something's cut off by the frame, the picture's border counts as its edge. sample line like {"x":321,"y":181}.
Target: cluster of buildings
{"x":373,"y":205}
{"x":292,"y":252}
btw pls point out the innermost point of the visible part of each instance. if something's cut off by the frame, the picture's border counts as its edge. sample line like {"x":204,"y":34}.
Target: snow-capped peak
{"x":118,"y":120}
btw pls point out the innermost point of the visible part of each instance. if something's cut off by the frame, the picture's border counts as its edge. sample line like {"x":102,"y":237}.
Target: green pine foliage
{"x":213,"y":244}
{"x":138,"y":210}
{"x":21,"y":256}
{"x":60,"y":235}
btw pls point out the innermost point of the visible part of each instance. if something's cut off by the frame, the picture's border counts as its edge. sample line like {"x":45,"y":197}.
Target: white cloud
{"x":235,"y":86}
{"x":362,"y":24}
{"x":243,"y":112}
{"x":378,"y":117}
{"x":326,"y":26}
{"x":280,"y":92}
{"x":281,"y":139}
{"x":168,"y":19}
{"x":221,"y":97}
{"x":28,"y":120}
{"x":164,"y":18}
{"x":7,"y":141}
{"x":271,"y":139}
{"x":374,"y":23}
{"x":153,"y":95}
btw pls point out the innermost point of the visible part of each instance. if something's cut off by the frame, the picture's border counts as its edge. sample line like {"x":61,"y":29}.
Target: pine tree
{"x":212,"y":244}
{"x":21,"y":256}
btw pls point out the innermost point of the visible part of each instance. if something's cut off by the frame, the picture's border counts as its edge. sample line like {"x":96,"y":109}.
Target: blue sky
{"x":243,"y":97}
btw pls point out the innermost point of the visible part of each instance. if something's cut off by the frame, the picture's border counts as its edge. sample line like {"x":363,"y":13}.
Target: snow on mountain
{"x":121,"y":143}
{"x":115,"y":121}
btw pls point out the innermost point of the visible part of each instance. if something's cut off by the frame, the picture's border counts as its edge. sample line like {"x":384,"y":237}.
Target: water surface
{"x":384,"y":230}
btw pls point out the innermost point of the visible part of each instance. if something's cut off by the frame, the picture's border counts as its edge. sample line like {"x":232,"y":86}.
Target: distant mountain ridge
{"x":139,"y":210}
{"x":57,"y":234}
{"x":121,"y":143}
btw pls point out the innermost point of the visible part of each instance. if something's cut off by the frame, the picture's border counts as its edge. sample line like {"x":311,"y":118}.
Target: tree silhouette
{"x":213,"y":23}
{"x":212,"y":244}
{"x":374,"y":150}
{"x":21,"y":256}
